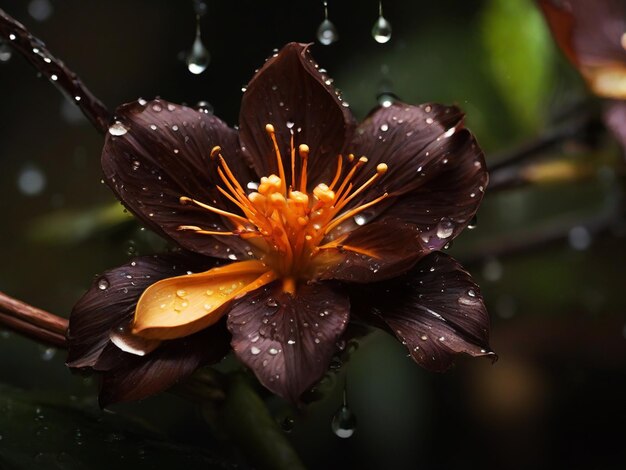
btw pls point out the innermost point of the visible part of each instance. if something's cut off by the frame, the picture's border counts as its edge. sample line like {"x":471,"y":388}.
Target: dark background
{"x":556,"y":397}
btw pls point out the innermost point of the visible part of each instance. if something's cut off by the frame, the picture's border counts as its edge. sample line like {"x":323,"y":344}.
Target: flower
{"x":592,"y":35}
{"x":287,"y":226}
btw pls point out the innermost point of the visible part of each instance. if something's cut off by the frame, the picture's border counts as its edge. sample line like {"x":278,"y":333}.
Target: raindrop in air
{"x":200,"y":7}
{"x":31,"y":181}
{"x":5,"y":52}
{"x":381,"y":31}
{"x":40,"y":10}
{"x":198,"y":58}
{"x":344,"y":420}
{"x":579,"y":238}
{"x":326,"y":32}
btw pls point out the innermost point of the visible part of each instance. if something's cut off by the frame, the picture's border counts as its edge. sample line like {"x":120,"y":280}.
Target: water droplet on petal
{"x":344,"y":422}
{"x":473,"y":223}
{"x":271,"y":302}
{"x":117,"y":129}
{"x":386,"y":99}
{"x":103,"y":283}
{"x":445,"y":228}
{"x":327,"y":33}
{"x":254,"y":350}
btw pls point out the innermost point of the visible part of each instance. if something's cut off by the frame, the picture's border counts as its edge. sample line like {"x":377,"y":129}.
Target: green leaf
{"x":36,"y":432}
{"x":519,"y":54}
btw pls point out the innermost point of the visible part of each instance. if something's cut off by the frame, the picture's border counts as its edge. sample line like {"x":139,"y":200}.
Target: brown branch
{"x":32,"y":322}
{"x":35,"y":52}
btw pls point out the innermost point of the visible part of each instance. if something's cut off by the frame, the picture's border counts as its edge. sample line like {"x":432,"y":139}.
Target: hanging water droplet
{"x":473,"y":223}
{"x":381,"y":31}
{"x":344,"y":420}
{"x":5,"y":52}
{"x":445,"y":228}
{"x":326,"y":31}
{"x":198,"y":58}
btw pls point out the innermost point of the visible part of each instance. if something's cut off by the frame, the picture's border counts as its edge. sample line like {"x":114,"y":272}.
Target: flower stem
{"x":35,"y":52}
{"x":32,"y":322}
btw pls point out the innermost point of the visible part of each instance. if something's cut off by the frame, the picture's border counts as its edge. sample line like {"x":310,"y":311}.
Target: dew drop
{"x":198,"y":58}
{"x":381,"y":31}
{"x":271,"y":302}
{"x":254,"y":350}
{"x":272,"y":351}
{"x":326,"y":31}
{"x":471,"y":293}
{"x":291,"y":341}
{"x":445,"y":228}
{"x":103,"y":284}
{"x":117,"y":129}
{"x":384,"y":127}
{"x":386,"y":100}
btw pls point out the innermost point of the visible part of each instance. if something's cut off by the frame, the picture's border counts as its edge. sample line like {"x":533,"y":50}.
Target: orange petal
{"x":183,"y":305}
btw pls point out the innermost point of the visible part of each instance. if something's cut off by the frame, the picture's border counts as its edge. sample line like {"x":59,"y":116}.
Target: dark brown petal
{"x":290,"y":93}
{"x":437,"y":172}
{"x":129,"y":377}
{"x":588,"y":32}
{"x":615,"y":119}
{"x":385,"y":249}
{"x":112,"y":298}
{"x":591,"y":35}
{"x":288,"y":341}
{"x":436,"y":309}
{"x":157,"y":152}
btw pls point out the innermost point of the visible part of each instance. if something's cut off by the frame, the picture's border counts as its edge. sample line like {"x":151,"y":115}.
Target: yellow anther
{"x":303,"y":150}
{"x":363,"y":159}
{"x":324,"y":194}
{"x":215,"y":151}
{"x":381,"y":168}
{"x":269,"y":128}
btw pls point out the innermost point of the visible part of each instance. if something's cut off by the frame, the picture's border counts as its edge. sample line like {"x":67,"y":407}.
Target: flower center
{"x":285,"y":222}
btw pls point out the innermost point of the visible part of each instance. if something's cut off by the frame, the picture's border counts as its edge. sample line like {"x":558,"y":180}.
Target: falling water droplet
{"x":344,"y":420}
{"x":381,"y":31}
{"x":473,"y":223}
{"x":326,"y":32}
{"x":5,"y":52}
{"x":198,"y":58}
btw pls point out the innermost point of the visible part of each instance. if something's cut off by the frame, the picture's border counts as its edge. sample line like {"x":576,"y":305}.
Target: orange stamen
{"x":279,"y":159}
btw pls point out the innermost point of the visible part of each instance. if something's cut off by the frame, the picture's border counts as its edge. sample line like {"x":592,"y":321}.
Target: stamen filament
{"x":337,"y":174}
{"x":381,"y":169}
{"x":353,"y":212}
{"x":242,"y":221}
{"x":279,"y":160}
{"x":303,"y":149}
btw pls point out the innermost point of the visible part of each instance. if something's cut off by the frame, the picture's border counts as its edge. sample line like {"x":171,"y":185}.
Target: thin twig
{"x":32,"y":322}
{"x":35,"y":52}
{"x":538,"y":239}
